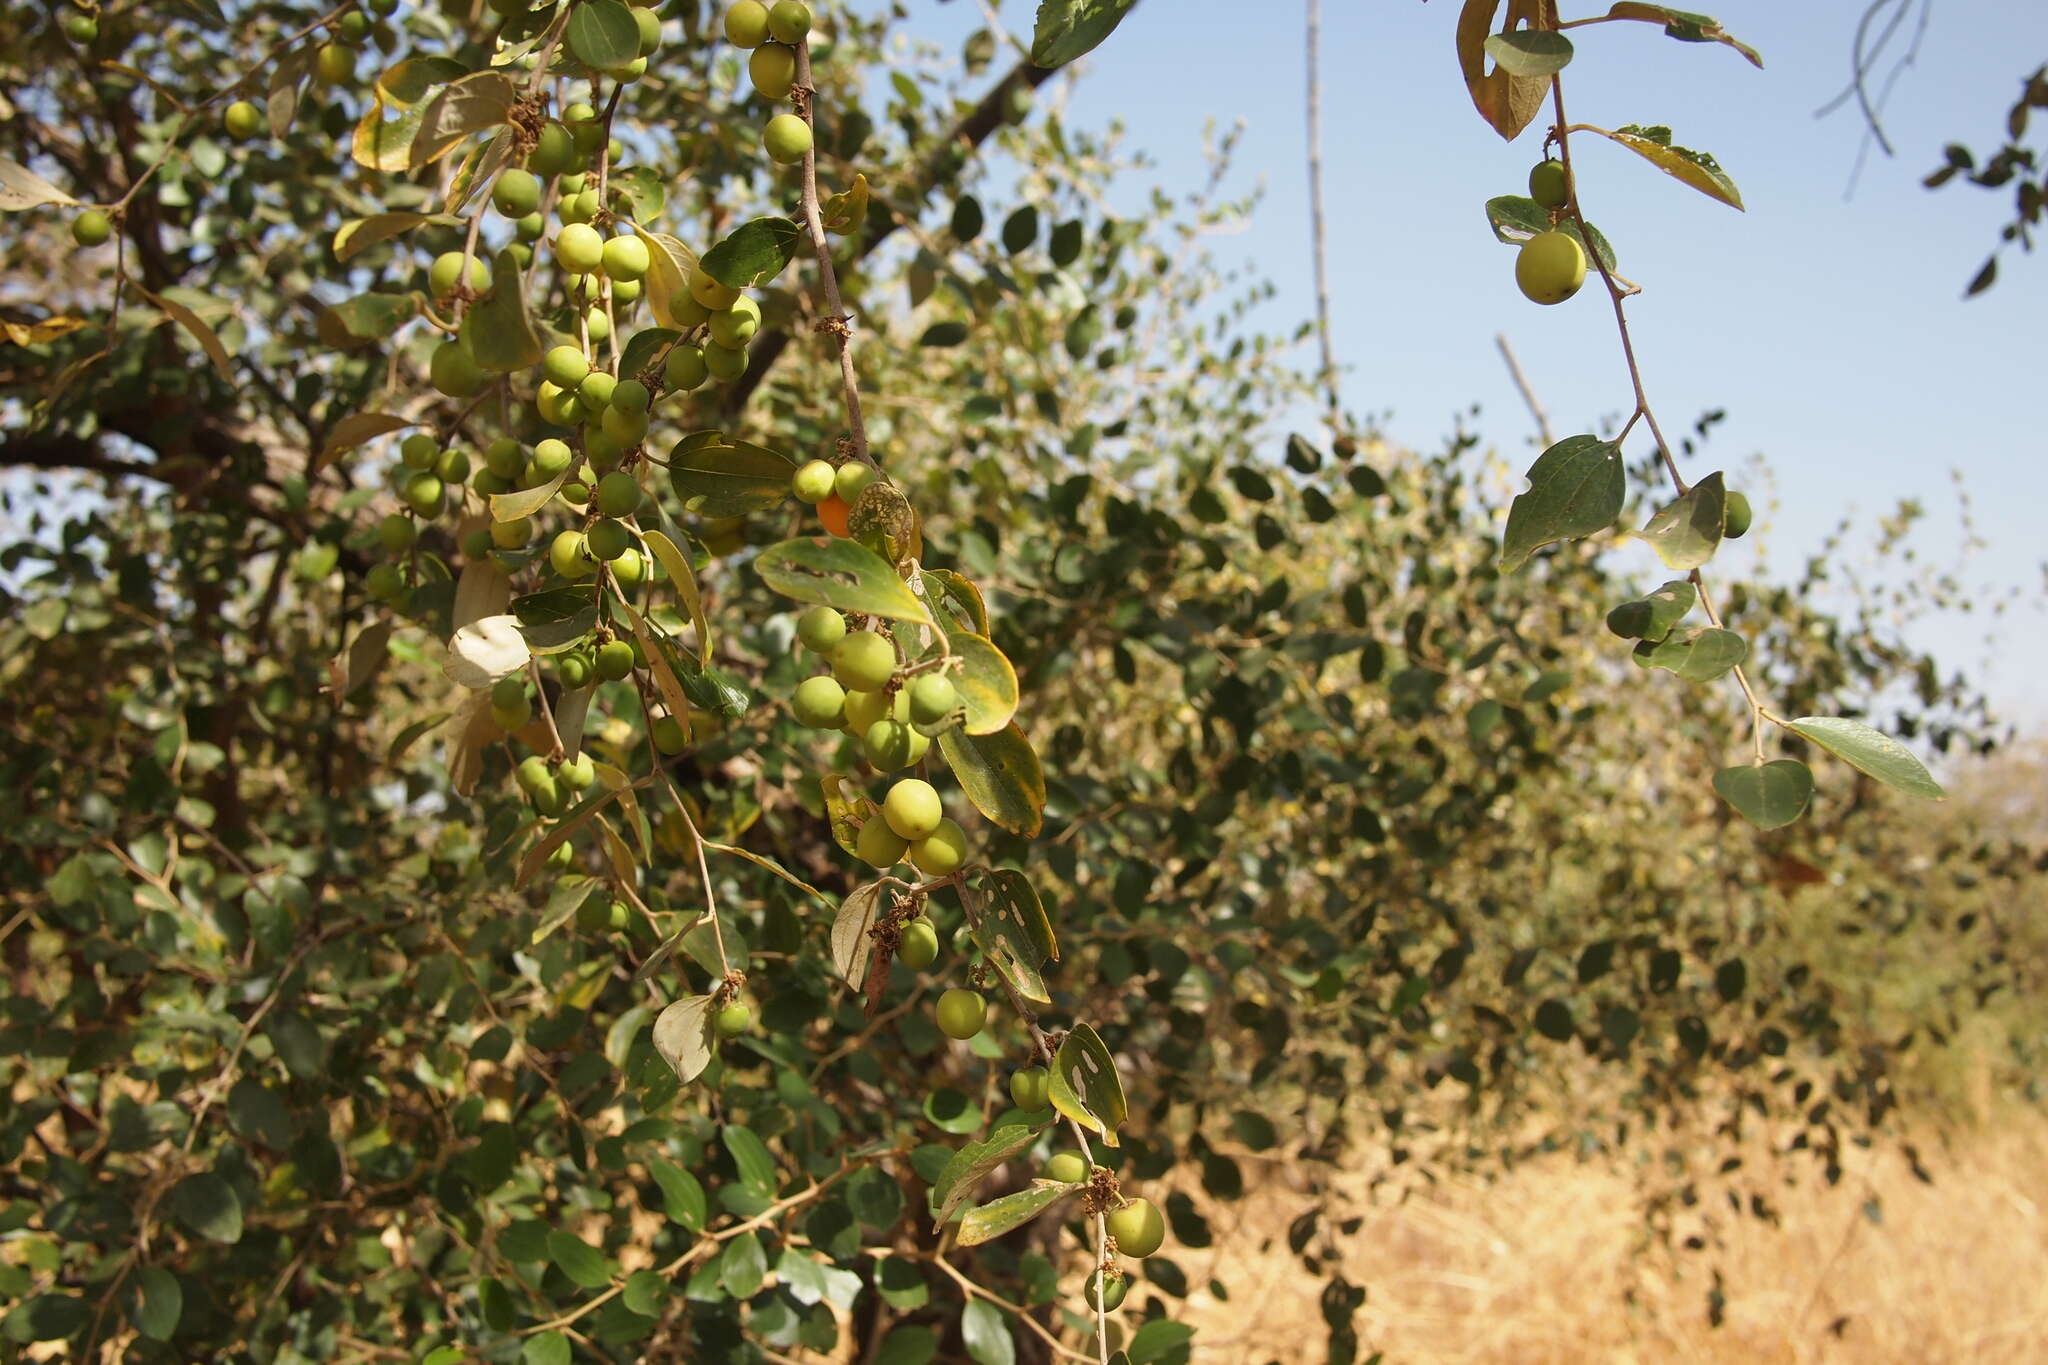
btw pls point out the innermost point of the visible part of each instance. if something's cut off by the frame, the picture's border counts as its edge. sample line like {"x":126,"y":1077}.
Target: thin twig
{"x":1315,"y":214}
{"x":1528,"y":394}
{"x":835,"y":320}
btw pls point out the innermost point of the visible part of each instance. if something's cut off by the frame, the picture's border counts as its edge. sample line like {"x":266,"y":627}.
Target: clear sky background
{"x":1831,"y":328}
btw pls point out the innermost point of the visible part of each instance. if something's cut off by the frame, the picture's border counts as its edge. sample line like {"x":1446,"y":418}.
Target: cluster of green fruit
{"x":892,"y":718}
{"x":773,"y":33}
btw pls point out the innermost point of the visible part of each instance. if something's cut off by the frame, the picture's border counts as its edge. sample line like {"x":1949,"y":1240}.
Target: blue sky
{"x":1830,"y":328}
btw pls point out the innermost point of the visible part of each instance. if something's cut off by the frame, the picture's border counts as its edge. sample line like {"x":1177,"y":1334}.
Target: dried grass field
{"x":1548,"y":1264}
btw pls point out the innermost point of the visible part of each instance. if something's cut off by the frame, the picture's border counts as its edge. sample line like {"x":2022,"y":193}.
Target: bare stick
{"x":835,"y":320}
{"x":1528,"y":394}
{"x":1315,"y":213}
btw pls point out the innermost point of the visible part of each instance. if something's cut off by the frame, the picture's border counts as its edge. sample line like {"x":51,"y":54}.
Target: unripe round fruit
{"x":912,"y":808}
{"x":517,"y":193}
{"x":772,"y":68}
{"x":746,"y":24}
{"x":549,"y":798}
{"x":688,"y":312}
{"x":91,"y":228}
{"x":79,"y":27}
{"x":629,"y":568}
{"x":397,"y":532}
{"x":736,"y":326}
{"x":1549,"y":185}
{"x":669,"y":735}
{"x":853,"y":476}
{"x":334,"y":64}
{"x":354,"y":27}
{"x":566,"y":552}
{"x":608,"y":539}
{"x":962,"y":1013}
{"x":425,"y":494}
{"x":489,"y":485}
{"x":573,"y":669}
{"x":554,"y":153}
{"x":1551,"y":267}
{"x":453,"y":371}
{"x":419,"y":451}
{"x":573,"y":183}
{"x":579,"y":247}
{"x":447,"y":269}
{"x":819,"y":703}
{"x":596,"y":323}
{"x":1735,"y":516}
{"x":1029,"y":1088}
{"x":384,"y":582}
{"x":564,"y":856}
{"x":932,"y":698}
{"x":551,"y":457}
{"x":1068,"y":1168}
{"x":733,"y":1020}
{"x":709,"y":292}
{"x":724,"y":363}
{"x":604,"y":450}
{"x":626,"y":258}
{"x":597,"y":387}
{"x":508,"y":691}
{"x":1138,"y":1227}
{"x":626,"y":428}
{"x":476,"y":544}
{"x":614,"y":660}
{"x":786,"y":139}
{"x":820,"y":628}
{"x":940,"y":853}
{"x":618,"y":494}
{"x":503,"y":457}
{"x":625,"y":292}
{"x":789,"y":21}
{"x":890,"y":745}
{"x":812,"y":482}
{"x":879,"y":846}
{"x":863,"y":661}
{"x":577,"y":773}
{"x":511,"y":535}
{"x":630,"y":396}
{"x":532,"y":774}
{"x":571,"y":208}
{"x":918,"y":947}
{"x":453,"y":466}
{"x":242,"y":120}
{"x":1109,"y":1295}
{"x":864,"y":709}
{"x":684,"y":369}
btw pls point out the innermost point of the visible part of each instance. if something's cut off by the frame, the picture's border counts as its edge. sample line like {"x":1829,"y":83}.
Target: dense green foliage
{"x":1350,"y":840}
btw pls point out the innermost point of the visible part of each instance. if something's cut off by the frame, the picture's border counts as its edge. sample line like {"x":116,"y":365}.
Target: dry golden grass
{"x":1548,"y":1265}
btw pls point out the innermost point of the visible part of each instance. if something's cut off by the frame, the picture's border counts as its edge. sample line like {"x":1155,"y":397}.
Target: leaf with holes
{"x":682,"y":1035}
{"x":1001,"y":776}
{"x":1872,"y":752}
{"x":1684,"y":26}
{"x":1009,"y":925}
{"x":830,"y":572}
{"x":753,"y":253}
{"x":1085,"y":1086}
{"x":1685,"y":533}
{"x":1696,"y":169}
{"x":1575,"y":488}
{"x":1768,"y":795}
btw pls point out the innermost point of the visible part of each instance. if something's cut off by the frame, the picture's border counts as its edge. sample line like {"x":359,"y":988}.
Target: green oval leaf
{"x":603,"y":35}
{"x":1685,"y":533}
{"x":1872,"y":752}
{"x":1001,"y":776}
{"x":1768,"y":795}
{"x":989,"y":1221}
{"x":719,"y":477}
{"x":1702,"y":656}
{"x":1067,"y":29}
{"x":832,"y":572}
{"x":1575,"y":488}
{"x":159,"y":1302}
{"x":1654,"y":615}
{"x":206,"y":1204}
{"x":682,"y":1035}
{"x":971,"y":1165}
{"x":753,"y":253}
{"x":1530,"y":52}
{"x":583,"y":1263}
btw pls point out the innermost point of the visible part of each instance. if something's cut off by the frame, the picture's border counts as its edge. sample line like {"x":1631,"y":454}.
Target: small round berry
{"x":1068,"y":1168}
{"x":684,"y":370}
{"x":1550,"y":267}
{"x":789,"y":21}
{"x":91,"y":228}
{"x":863,"y":661}
{"x":242,"y":120}
{"x":618,"y":494}
{"x":879,"y":846}
{"x":614,"y":660}
{"x":787,"y":139}
{"x":733,"y":1020}
{"x":962,"y":1013}
{"x":746,"y":24}
{"x":517,"y":193}
{"x":918,"y":946}
{"x":820,"y":628}
{"x":932,"y":699}
{"x":626,"y":258}
{"x":1138,"y":1227}
{"x":912,"y":808}
{"x":608,"y":539}
{"x":1549,"y":184}
{"x":453,"y":371}
{"x":569,"y":556}
{"x":708,"y":291}
{"x":579,"y":247}
{"x":812,"y":482}
{"x":852,"y":478}
{"x":940,"y":853}
{"x":448,"y":269}
{"x":772,"y":68}
{"x":819,"y":703}
{"x":669,"y":735}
